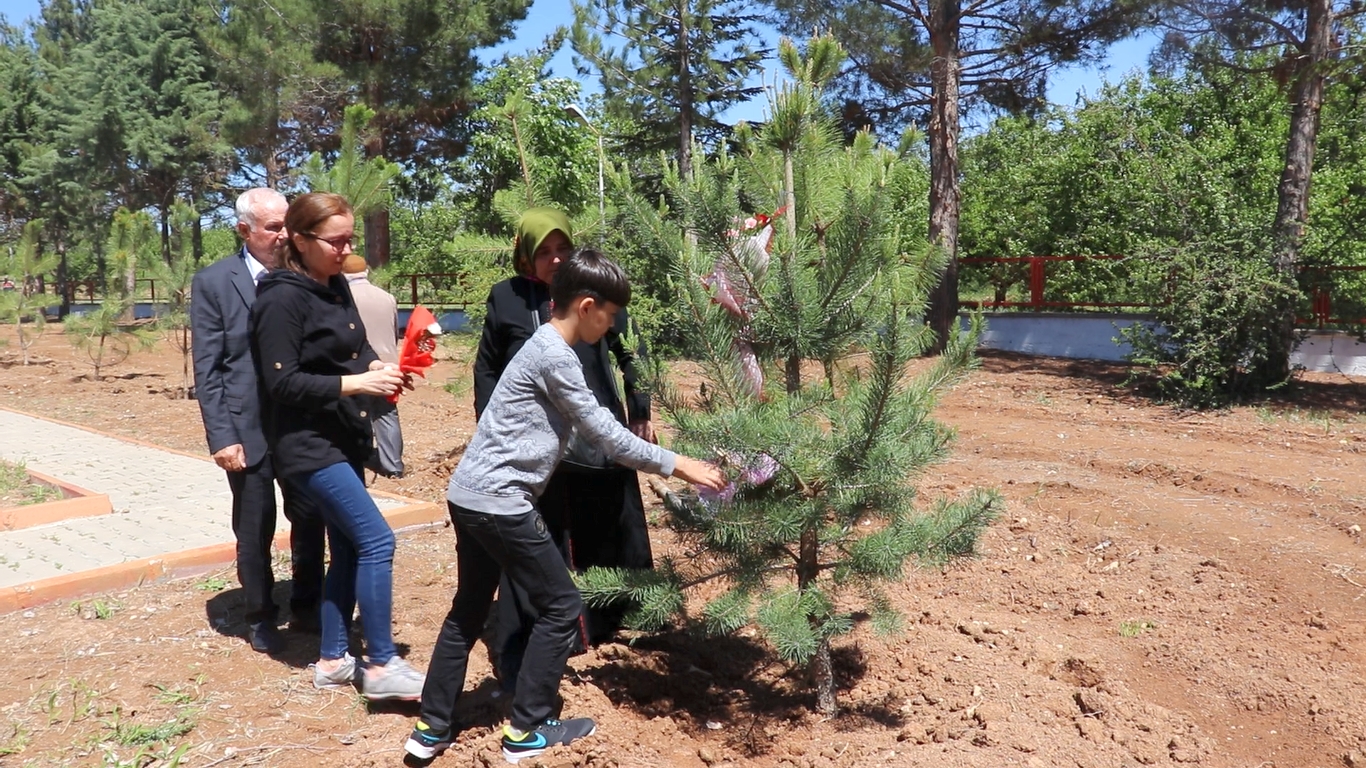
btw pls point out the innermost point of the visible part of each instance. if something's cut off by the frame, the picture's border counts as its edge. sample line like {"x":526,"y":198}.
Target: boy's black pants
{"x":486,"y":546}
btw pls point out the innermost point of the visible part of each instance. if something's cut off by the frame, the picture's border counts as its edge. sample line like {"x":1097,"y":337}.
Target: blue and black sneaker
{"x":520,"y":745}
{"x":425,"y":743}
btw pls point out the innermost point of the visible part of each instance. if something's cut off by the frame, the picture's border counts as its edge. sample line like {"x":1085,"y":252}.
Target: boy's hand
{"x":699,"y":473}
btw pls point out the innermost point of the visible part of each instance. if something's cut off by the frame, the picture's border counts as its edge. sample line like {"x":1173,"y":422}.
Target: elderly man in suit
{"x":225,"y":385}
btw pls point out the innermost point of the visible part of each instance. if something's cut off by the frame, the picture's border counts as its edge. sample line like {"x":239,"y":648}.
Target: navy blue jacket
{"x":221,"y":296}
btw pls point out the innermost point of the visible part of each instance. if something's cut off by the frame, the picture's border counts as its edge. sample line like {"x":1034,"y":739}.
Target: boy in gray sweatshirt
{"x":521,"y":437}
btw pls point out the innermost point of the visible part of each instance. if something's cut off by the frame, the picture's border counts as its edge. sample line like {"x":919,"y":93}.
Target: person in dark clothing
{"x":592,"y":507}
{"x":319,"y":377}
{"x":226,"y":388}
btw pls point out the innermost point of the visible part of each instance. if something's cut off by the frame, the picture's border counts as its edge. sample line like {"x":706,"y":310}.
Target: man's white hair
{"x":250,"y":201}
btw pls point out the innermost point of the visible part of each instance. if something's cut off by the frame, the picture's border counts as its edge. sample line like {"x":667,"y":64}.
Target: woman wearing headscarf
{"x":592,"y":507}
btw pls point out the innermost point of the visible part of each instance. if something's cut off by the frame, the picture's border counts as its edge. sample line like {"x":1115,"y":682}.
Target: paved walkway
{"x":164,"y":502}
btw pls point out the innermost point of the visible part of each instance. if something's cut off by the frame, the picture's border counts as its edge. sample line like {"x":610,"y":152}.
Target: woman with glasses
{"x":320,"y":378}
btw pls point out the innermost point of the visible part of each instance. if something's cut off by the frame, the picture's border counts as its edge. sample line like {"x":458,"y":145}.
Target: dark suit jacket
{"x":224,"y":374}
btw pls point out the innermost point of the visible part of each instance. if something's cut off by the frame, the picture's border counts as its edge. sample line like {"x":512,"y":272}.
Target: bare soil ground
{"x":1167,"y":587}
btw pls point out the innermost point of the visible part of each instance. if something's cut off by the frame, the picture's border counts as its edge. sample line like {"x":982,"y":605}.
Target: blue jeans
{"x":362,"y":566}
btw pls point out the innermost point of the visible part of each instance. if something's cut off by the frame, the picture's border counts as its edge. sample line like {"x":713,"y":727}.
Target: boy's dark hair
{"x":589,"y":273}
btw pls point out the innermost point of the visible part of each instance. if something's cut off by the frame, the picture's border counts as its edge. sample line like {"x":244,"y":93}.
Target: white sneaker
{"x":395,"y":680}
{"x":341,"y":677}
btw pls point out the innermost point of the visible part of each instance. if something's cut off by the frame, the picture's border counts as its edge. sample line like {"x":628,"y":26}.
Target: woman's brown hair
{"x":306,"y":213}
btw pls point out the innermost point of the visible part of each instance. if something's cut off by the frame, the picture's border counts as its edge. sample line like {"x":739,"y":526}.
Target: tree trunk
{"x":62,"y":287}
{"x":793,"y":369}
{"x":130,"y":285}
{"x":821,"y":666}
{"x":376,"y":222}
{"x":165,"y":211}
{"x":685,"y":94}
{"x":945,"y":75}
{"x":197,"y":240}
{"x":1292,"y":204}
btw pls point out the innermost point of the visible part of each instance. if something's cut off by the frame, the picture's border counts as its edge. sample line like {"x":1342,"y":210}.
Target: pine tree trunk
{"x":376,"y":222}
{"x":793,"y":369}
{"x":1292,"y":204}
{"x":62,"y":287}
{"x":823,"y":678}
{"x":945,"y":75}
{"x":130,"y":285}
{"x":165,"y":211}
{"x":821,"y":666}
{"x":377,"y":238}
{"x":685,"y":94}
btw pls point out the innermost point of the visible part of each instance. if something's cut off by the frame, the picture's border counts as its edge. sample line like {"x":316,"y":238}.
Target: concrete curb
{"x":75,"y":502}
{"x":173,"y":565}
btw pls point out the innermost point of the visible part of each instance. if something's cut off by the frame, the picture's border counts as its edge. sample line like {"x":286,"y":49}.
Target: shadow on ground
{"x":225,"y":614}
{"x":730,"y":680}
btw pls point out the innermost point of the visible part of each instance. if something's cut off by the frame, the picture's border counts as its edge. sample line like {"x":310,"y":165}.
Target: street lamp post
{"x":573,"y":111}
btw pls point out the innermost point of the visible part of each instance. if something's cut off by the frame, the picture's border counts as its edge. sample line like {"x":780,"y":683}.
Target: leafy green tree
{"x":18,"y":97}
{"x":54,"y":180}
{"x":26,"y":265}
{"x":279,"y":99}
{"x":142,"y":108}
{"x":108,"y":334}
{"x":670,"y":67}
{"x":1223,"y":32}
{"x":1178,"y":175}
{"x":948,"y":56}
{"x":524,"y":146}
{"x":822,"y":509}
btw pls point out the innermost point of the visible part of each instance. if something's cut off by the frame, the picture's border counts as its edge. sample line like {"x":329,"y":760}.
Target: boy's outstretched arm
{"x":564,"y":384}
{"x":699,"y":473}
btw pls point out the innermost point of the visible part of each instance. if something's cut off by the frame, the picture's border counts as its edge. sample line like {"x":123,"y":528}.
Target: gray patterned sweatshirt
{"x":522,"y":434}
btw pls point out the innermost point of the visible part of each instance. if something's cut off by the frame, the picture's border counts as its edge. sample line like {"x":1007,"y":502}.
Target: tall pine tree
{"x":669,"y":66}
{"x":822,"y":511}
{"x":413,"y":63}
{"x":942,"y":57}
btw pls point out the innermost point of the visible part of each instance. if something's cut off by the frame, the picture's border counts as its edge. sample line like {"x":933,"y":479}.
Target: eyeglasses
{"x":337,"y":243}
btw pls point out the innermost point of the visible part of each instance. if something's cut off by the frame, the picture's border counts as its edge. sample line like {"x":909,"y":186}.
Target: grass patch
{"x":173,"y":696}
{"x":17,"y":489}
{"x":96,"y":609}
{"x":212,"y":584}
{"x":135,"y":734}
{"x":1135,"y":628}
{"x":16,"y":743}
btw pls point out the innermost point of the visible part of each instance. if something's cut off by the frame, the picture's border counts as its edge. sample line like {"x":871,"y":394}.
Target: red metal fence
{"x":1327,"y":304}
{"x":1038,"y":284}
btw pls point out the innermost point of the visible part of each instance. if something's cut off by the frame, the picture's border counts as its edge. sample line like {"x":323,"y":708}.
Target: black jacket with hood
{"x":304,"y":337}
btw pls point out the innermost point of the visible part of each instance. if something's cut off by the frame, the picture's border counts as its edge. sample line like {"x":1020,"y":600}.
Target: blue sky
{"x":545,"y":15}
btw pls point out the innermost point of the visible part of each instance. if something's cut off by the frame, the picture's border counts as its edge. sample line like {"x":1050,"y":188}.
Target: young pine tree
{"x":25,"y":265}
{"x":174,"y":278}
{"x":109,"y":333}
{"x":822,"y":511}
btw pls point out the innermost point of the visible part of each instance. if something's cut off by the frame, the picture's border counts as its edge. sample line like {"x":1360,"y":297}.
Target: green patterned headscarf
{"x":532,"y":230}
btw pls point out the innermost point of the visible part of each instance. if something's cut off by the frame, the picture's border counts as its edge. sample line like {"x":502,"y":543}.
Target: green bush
{"x":1215,"y":339}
